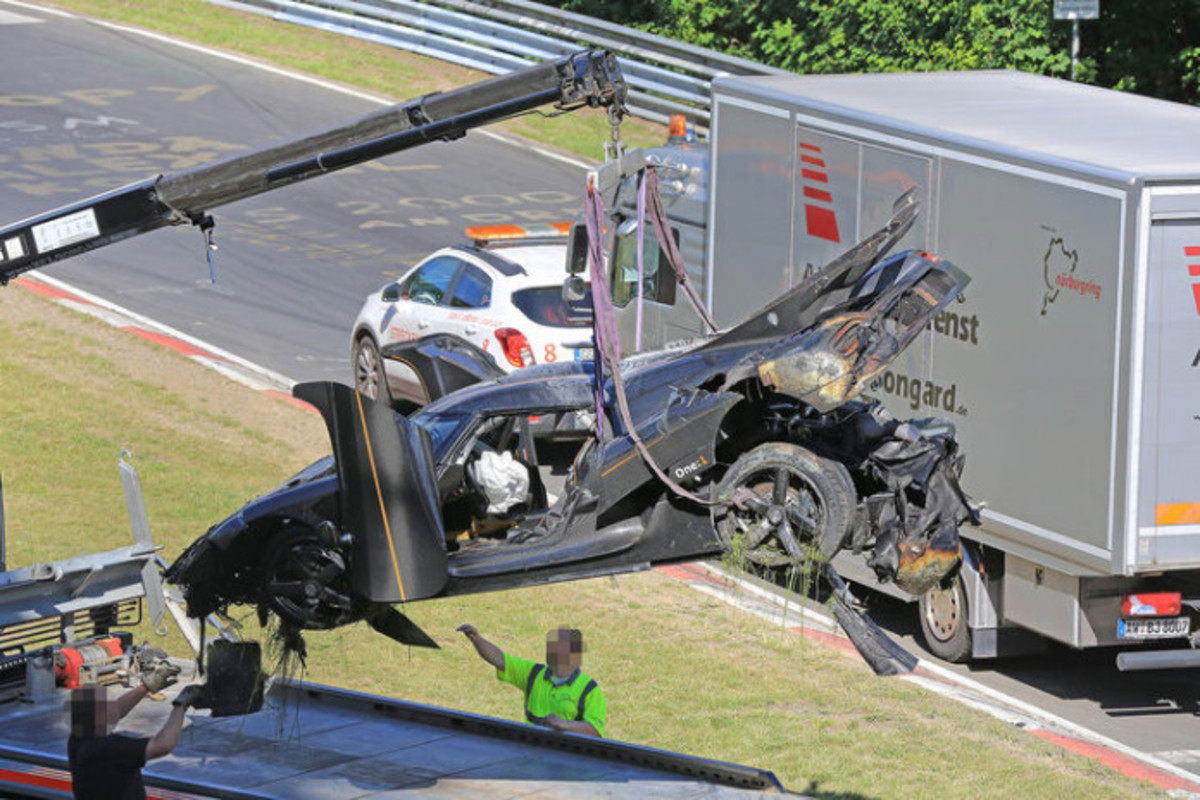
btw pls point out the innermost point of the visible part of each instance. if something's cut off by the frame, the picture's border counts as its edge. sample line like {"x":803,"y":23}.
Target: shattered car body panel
{"x":443,"y":363}
{"x":761,"y":422}
{"x":500,"y":295}
{"x":830,"y":364}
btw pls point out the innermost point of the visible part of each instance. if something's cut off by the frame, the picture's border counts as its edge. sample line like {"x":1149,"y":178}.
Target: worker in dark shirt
{"x":557,"y":694}
{"x":107,"y":765}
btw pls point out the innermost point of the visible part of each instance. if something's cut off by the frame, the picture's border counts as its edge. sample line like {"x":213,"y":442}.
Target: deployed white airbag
{"x":503,"y":480}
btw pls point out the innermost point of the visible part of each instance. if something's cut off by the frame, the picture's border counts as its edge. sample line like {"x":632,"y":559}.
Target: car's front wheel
{"x":369,"y":375}
{"x":305,"y":581}
{"x":785,"y":506}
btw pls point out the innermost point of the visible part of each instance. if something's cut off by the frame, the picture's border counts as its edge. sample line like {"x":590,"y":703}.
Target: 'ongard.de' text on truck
{"x":1071,"y":368}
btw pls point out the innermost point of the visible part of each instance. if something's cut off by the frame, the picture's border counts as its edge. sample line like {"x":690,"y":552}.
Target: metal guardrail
{"x":498,"y":36}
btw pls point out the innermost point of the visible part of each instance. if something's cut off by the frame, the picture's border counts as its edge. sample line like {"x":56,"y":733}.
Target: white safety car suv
{"x":470,"y":312}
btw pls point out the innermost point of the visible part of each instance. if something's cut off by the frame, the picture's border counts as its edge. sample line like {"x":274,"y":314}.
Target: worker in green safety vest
{"x":557,"y":694}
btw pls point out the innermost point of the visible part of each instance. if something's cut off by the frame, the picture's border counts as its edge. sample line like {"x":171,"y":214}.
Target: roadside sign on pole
{"x":1077,"y":9}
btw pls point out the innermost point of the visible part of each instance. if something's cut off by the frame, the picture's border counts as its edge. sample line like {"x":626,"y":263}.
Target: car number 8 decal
{"x":550,"y":355}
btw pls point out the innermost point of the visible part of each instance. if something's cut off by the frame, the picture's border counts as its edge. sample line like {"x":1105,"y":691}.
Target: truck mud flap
{"x":388,"y":500}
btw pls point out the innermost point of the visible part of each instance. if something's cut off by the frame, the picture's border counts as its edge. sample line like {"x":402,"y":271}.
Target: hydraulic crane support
{"x":588,"y":78}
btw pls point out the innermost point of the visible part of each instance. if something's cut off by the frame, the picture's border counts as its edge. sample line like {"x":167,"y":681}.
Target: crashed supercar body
{"x":769,"y":451}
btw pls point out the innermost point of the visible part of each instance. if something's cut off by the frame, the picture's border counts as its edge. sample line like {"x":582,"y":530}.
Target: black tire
{"x":305,"y":581}
{"x":369,"y":376}
{"x":945,"y":621}
{"x":787,"y":505}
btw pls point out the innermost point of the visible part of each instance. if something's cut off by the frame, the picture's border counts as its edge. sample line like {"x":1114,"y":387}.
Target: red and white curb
{"x":231,"y":366}
{"x":792,"y":615}
{"x":814,"y":624}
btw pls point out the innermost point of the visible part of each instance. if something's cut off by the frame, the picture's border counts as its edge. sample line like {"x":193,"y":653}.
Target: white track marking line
{"x":295,"y":75}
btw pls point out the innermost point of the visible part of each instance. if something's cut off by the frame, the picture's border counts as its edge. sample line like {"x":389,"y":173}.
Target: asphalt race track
{"x":84,"y":108}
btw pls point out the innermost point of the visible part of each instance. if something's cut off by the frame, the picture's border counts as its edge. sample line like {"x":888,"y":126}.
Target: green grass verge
{"x":681,"y":671}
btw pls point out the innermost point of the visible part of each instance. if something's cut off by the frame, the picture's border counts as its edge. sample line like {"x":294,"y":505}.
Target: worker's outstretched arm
{"x":168,"y":736}
{"x":129,"y":699}
{"x":487,"y":651}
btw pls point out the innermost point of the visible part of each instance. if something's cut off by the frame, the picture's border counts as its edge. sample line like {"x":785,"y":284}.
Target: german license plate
{"x":585,"y":354}
{"x":1157,"y":628}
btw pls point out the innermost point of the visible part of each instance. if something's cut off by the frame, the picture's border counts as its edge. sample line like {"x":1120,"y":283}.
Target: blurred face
{"x":562,"y":655}
{"x":91,"y":713}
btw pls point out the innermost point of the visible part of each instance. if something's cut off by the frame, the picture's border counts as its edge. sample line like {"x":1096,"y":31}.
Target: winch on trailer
{"x":93,"y":661}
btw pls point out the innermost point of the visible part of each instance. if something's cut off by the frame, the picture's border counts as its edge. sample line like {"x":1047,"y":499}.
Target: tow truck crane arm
{"x":589,"y":78}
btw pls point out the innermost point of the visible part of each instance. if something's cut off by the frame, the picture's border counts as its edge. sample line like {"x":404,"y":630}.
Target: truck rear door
{"x":1168,"y":506}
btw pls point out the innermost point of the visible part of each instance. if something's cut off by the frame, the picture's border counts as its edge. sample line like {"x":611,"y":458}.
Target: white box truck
{"x":1071,"y":368}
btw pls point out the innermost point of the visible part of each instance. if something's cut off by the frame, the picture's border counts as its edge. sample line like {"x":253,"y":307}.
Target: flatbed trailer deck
{"x":308,"y":742}
{"x":313,"y":742}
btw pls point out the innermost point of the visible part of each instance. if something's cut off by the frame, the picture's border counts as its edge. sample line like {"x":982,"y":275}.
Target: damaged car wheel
{"x":785,"y":506}
{"x":305,"y":581}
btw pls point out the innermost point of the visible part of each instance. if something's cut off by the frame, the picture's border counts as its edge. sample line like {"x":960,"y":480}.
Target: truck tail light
{"x":1152,"y":604}
{"x":515,"y":346}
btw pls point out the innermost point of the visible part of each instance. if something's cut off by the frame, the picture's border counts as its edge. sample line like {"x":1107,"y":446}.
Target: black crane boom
{"x":590,"y":78}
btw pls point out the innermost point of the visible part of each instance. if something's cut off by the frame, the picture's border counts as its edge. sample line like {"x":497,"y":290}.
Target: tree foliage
{"x":1145,"y":47}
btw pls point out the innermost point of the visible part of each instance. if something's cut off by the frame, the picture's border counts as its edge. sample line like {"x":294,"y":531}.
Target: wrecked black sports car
{"x":766,"y":450}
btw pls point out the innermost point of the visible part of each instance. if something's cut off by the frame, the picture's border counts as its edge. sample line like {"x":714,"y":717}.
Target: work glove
{"x":160,"y":675}
{"x":189,"y":696}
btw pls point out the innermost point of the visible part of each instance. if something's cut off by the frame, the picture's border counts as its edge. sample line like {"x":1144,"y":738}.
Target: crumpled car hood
{"x":827,"y":338}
